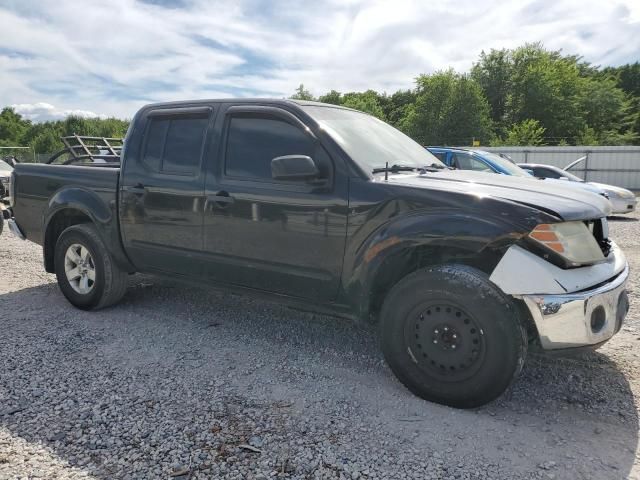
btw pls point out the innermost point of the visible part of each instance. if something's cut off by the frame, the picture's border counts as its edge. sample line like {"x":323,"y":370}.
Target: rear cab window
{"x":174,"y":142}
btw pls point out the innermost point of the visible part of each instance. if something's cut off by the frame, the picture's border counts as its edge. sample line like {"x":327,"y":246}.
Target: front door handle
{"x":221,"y":199}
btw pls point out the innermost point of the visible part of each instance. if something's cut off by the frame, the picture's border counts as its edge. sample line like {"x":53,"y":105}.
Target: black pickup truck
{"x":332,"y":209}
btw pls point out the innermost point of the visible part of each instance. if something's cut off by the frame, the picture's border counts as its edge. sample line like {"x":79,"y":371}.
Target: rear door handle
{"x":221,"y":199}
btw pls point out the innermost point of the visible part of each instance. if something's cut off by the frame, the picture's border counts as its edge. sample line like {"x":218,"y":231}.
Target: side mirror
{"x":294,"y":167}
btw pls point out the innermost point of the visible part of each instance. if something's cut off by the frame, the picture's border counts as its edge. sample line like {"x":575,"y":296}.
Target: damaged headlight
{"x":573,"y":241}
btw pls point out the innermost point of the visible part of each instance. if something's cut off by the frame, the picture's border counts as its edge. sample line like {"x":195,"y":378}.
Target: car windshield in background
{"x":370,"y":142}
{"x":570,"y":176}
{"x":504,"y":164}
{"x":5,"y":167}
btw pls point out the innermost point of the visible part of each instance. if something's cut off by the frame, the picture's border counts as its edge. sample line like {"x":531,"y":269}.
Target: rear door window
{"x":174,"y":144}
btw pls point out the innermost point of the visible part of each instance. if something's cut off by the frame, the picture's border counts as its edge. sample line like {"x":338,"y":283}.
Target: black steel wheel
{"x":445,"y":341}
{"x":451,"y":336}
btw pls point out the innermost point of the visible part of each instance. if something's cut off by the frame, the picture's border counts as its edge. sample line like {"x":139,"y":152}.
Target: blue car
{"x":477,"y":160}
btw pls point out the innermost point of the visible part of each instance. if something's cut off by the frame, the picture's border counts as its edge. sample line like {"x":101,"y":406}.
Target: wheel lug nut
{"x":446,"y":329}
{"x":454,"y":336}
{"x":435,"y":341}
{"x":436,"y":331}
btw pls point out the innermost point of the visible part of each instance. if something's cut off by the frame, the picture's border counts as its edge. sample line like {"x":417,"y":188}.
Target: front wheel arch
{"x":404,"y":262}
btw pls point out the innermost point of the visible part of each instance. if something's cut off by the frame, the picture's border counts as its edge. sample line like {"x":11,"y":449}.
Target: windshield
{"x":570,"y":176}
{"x":370,"y":142}
{"x":504,"y":164}
{"x":5,"y":167}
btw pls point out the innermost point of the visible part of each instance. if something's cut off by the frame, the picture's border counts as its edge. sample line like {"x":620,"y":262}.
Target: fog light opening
{"x":598,"y":319}
{"x":622,"y":309}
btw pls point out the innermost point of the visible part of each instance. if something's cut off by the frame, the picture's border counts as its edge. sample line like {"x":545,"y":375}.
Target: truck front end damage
{"x":572,"y":305}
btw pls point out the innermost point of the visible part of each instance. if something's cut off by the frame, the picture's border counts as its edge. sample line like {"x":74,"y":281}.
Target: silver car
{"x":622,"y":200}
{"x":5,"y":176}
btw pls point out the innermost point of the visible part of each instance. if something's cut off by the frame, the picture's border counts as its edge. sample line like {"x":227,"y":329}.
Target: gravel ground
{"x":177,"y":382}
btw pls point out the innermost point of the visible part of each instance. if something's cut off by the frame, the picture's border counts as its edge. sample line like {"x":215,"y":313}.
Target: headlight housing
{"x":572,"y":241}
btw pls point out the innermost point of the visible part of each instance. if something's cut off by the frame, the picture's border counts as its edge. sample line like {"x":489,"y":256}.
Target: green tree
{"x":627,"y":77}
{"x":302,"y":94}
{"x":527,"y":132}
{"x":76,"y":125}
{"x":368,"y":102}
{"x":546,"y":87}
{"x":604,"y":107}
{"x":47,"y":141}
{"x":493,"y":73}
{"x":397,"y":106}
{"x":587,"y":136}
{"x":13,"y":127}
{"x":333,"y":97}
{"x":450,"y":109}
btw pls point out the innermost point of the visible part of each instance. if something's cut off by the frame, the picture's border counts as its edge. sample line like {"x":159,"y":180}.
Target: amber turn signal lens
{"x":544,"y":234}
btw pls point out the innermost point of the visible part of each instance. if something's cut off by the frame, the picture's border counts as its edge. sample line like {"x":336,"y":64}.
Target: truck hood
{"x":556,"y":198}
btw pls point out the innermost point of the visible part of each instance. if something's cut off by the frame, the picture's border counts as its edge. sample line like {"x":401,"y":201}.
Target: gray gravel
{"x":177,"y":382}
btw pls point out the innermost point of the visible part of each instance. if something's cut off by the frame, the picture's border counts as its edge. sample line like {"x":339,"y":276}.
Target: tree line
{"x":523,"y":96}
{"x":44,"y":137}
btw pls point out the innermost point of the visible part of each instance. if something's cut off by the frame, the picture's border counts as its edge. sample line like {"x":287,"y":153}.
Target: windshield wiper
{"x":395,"y":168}
{"x":434,"y":167}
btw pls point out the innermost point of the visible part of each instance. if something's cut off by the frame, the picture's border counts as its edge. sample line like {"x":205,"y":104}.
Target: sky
{"x":108,"y":58}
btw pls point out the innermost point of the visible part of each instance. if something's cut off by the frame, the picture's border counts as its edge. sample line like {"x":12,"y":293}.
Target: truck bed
{"x":39,"y":187}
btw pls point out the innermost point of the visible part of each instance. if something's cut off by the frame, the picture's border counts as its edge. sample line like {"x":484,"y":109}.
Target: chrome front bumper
{"x":585,"y":318}
{"x":623,"y":205}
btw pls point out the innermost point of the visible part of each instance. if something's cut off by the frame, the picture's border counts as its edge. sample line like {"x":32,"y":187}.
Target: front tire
{"x":451,"y":336}
{"x":87,"y":275}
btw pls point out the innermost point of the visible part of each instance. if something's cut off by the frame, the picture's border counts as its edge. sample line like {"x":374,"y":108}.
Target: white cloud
{"x":41,"y":111}
{"x":112,"y":57}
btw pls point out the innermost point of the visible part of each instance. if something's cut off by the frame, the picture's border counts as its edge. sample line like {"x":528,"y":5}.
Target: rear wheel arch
{"x":58,"y":223}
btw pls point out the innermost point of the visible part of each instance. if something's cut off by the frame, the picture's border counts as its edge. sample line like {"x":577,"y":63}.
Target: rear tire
{"x":87,"y":275}
{"x":452,"y":337}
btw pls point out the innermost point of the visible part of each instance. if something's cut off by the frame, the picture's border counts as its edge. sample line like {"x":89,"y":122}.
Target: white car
{"x":622,"y":200}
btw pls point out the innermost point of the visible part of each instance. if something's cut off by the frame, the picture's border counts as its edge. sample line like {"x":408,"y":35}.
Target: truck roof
{"x":263,"y":101}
